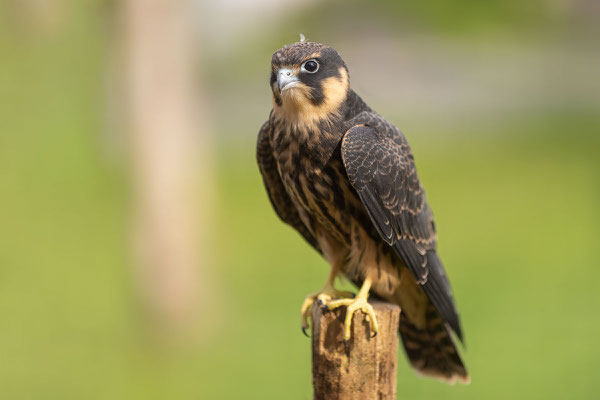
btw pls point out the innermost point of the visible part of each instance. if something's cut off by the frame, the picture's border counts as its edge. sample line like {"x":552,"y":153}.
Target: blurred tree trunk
{"x":167,"y":135}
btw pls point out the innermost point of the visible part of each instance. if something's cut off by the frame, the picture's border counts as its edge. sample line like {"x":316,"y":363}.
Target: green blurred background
{"x":500,"y":101}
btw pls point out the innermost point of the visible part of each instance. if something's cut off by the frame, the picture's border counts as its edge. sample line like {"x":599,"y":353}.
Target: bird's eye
{"x":310,"y":66}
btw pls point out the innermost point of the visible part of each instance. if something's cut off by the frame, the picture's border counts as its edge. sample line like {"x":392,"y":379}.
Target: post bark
{"x":365,"y":367}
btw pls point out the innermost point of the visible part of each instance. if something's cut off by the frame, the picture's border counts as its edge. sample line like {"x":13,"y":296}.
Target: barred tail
{"x":431,"y":350}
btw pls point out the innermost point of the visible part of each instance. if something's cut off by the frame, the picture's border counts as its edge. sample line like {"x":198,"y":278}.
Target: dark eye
{"x":310,"y":66}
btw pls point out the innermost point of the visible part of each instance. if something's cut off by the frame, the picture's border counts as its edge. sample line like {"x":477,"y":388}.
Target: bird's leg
{"x":322,"y":297}
{"x":356,"y":304}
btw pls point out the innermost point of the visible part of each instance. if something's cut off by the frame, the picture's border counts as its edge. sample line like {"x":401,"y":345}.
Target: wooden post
{"x":365,"y":367}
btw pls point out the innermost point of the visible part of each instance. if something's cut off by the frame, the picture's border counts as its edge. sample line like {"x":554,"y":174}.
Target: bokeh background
{"x":140,"y":257}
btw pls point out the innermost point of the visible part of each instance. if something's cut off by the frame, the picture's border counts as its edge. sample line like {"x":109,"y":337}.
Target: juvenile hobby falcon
{"x":345,"y":178}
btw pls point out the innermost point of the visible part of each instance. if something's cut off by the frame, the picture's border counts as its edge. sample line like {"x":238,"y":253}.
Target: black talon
{"x":304,"y":331}
{"x":323,"y":306}
{"x":375,"y":334}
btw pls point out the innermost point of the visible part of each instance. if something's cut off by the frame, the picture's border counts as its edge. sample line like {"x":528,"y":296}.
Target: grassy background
{"x":515,"y":195}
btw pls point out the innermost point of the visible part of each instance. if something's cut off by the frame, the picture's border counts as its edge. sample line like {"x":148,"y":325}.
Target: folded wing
{"x":380,"y":166}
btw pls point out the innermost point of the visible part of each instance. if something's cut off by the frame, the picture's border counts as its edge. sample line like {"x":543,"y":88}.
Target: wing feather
{"x":381,"y":168}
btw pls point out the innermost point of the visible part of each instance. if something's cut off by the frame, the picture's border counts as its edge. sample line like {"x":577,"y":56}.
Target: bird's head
{"x":309,"y":81}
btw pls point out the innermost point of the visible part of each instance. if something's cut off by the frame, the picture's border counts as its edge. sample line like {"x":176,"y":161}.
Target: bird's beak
{"x":286,"y":78}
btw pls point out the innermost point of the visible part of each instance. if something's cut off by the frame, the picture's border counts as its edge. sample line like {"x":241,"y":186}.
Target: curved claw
{"x":321,"y":298}
{"x":304,"y":331}
{"x":374,"y":334}
{"x":323,"y":306}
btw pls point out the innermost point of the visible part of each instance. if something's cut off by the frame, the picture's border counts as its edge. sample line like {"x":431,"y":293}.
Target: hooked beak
{"x":286,"y":78}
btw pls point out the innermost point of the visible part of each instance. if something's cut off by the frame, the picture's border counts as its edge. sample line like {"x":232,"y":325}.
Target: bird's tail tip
{"x":432,"y":351}
{"x":452,"y":379}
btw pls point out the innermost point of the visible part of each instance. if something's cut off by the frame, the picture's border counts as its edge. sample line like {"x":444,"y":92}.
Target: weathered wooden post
{"x":362,"y":369}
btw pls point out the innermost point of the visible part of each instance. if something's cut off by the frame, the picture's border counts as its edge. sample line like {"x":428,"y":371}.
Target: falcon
{"x":345,"y":179}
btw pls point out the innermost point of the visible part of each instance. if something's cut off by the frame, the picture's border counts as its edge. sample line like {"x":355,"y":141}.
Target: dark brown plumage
{"x":345,"y":178}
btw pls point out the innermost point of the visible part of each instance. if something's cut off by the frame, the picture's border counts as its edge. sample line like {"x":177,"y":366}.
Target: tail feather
{"x":431,"y":350}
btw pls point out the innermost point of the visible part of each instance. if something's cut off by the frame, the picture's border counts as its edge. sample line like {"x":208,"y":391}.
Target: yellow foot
{"x":322,"y":298}
{"x":354,"y":305}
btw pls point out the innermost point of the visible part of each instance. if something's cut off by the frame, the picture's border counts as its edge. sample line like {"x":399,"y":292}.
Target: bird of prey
{"x":345,"y":179}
